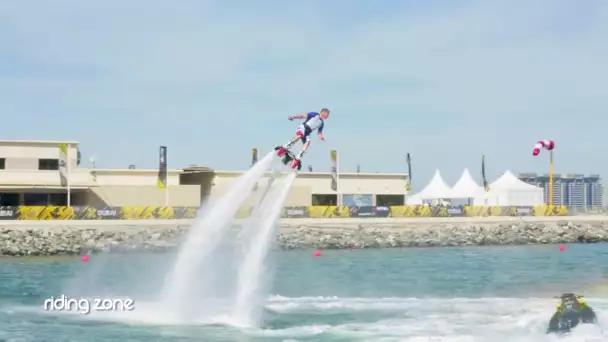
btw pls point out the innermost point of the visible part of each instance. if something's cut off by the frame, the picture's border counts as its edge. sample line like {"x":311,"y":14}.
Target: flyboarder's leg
{"x":304,"y":149}
{"x":300,"y":135}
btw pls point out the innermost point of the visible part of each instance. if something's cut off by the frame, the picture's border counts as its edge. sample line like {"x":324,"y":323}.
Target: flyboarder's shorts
{"x":304,"y":132}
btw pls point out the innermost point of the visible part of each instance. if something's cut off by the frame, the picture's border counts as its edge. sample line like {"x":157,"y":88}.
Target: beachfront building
{"x":577,"y":191}
{"x":30,"y":175}
{"x":314,"y":188}
{"x":34,"y":173}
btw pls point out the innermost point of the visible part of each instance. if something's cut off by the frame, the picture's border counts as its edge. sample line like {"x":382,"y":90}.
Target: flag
{"x":486,"y":186}
{"x":254,"y":160}
{"x":63,"y":164}
{"x":408,"y":186}
{"x":162,"y":168}
{"x":358,"y":168}
{"x":334,"y":169}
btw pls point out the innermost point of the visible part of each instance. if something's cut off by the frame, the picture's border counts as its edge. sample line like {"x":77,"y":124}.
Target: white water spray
{"x":182,"y":296}
{"x":252,"y":278}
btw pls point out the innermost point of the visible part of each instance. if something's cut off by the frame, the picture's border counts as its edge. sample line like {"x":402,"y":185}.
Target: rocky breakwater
{"x":61,"y":238}
{"x":58,"y":238}
{"x":438,"y":233}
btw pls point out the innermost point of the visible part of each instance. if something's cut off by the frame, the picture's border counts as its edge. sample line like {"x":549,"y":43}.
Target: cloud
{"x":444,"y":81}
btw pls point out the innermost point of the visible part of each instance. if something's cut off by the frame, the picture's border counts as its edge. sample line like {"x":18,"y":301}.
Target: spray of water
{"x":183,"y":297}
{"x":253,"y":276}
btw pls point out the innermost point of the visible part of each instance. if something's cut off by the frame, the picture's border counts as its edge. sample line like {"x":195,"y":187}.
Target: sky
{"x":445,"y":81}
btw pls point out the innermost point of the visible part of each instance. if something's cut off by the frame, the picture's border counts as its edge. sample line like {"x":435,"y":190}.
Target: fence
{"x":574,"y":211}
{"x":92,"y":213}
{"x":167,"y":213}
{"x":420,"y":211}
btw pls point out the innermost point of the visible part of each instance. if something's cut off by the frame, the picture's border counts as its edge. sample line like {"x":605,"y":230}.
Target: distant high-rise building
{"x":573,"y":190}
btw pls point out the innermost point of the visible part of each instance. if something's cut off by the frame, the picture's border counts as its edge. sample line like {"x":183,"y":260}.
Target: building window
{"x":48,"y":164}
{"x":35,"y":199}
{"x":2,"y":163}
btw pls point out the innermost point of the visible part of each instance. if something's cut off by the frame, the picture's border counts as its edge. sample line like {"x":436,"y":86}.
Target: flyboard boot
{"x":297,"y":161}
{"x":281,"y":150}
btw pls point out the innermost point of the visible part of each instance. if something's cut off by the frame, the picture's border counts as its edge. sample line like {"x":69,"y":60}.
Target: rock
{"x":57,"y":240}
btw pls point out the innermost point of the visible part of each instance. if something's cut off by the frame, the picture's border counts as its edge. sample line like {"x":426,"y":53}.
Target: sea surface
{"x":435,"y":294}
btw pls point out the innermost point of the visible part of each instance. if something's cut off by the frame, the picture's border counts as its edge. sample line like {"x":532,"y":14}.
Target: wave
{"x":394,"y":319}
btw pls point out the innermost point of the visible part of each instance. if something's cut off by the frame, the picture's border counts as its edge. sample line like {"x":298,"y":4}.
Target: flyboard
{"x":289,"y":158}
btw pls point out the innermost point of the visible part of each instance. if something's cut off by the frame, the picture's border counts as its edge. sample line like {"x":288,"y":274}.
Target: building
{"x":314,"y":188}
{"x":572,"y":190}
{"x":29,"y":175}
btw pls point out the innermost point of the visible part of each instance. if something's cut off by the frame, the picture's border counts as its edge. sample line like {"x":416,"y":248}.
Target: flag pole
{"x":68,"y":170}
{"x":550,"y":178}
{"x":167,"y":195}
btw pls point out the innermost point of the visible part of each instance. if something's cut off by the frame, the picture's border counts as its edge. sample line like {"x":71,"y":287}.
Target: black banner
{"x":453,"y":211}
{"x":8,"y":213}
{"x":162,"y":167}
{"x":522,"y":211}
{"x":379,"y":211}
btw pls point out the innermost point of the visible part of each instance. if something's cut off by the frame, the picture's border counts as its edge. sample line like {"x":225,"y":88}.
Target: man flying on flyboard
{"x":313,"y":121}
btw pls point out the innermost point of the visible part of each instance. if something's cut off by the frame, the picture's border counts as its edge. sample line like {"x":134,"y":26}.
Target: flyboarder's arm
{"x":321,"y":136}
{"x":302,"y":116}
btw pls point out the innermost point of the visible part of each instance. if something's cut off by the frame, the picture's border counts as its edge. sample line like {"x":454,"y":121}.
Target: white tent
{"x":466,"y":187}
{"x":508,"y":190}
{"x":436,"y":189}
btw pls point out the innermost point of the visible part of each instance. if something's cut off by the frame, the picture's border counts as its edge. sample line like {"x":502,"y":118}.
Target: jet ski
{"x":571,"y":311}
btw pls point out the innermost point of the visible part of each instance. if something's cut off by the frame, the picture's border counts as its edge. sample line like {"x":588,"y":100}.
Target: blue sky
{"x":443,"y":80}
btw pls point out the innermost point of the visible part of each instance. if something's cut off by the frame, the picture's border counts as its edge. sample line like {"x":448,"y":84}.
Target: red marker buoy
{"x":316,"y":254}
{"x":85,"y":258}
{"x":561,"y":248}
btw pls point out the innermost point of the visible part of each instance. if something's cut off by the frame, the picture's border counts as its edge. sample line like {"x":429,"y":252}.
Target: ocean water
{"x":434,"y":294}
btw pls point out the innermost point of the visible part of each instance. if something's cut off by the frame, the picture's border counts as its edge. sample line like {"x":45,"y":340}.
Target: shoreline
{"x":71,"y":237}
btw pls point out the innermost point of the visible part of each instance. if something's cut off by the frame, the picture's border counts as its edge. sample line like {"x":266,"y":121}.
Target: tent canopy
{"x":466,"y":187}
{"x":436,"y":189}
{"x":509,"y":190}
{"x":509,"y":181}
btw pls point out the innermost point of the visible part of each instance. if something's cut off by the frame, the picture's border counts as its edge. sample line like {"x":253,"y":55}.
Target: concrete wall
{"x":354,"y":183}
{"x":107,"y":187}
{"x":309,"y":183}
{"x":138,"y":188}
{"x":299,"y":196}
{"x":24,"y":155}
{"x":125,"y":177}
{"x":100,"y":187}
{"x":144,"y":195}
{"x":25,"y":178}
{"x":85,"y":177}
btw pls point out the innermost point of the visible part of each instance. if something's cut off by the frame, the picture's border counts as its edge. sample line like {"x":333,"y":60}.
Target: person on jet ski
{"x":571,"y":311}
